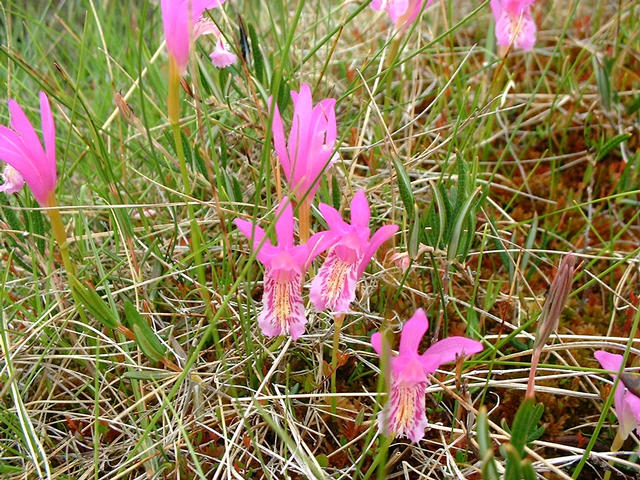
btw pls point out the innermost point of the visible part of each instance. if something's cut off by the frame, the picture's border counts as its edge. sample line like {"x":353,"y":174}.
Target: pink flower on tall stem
{"x":514,"y":24}
{"x":404,"y":413}
{"x":22,"y":150}
{"x":402,"y":12}
{"x":309,"y":148}
{"x":183,"y":23}
{"x":283,"y":311}
{"x":334,"y":287}
{"x":626,"y":402}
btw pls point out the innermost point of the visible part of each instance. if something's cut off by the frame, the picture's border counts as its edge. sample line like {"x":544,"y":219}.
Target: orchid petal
{"x":333,"y":218}
{"x":49,"y":134}
{"x":360,"y":211}
{"x":412,"y":333}
{"x":382,"y":235}
{"x":250,"y":230}
{"x":376,"y":342}
{"x":284,"y":224}
{"x":609,"y":361}
{"x":446,"y":350}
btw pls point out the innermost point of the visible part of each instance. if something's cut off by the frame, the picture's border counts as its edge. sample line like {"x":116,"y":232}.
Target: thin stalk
{"x":337,"y":327}
{"x":304,"y":213}
{"x":173,"y":109}
{"x":615,"y":446}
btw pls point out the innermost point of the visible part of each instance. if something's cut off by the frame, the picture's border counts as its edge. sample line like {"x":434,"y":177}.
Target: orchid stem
{"x":57,"y":226}
{"x":304,"y":213}
{"x":615,"y":446}
{"x":173,"y":109}
{"x":337,"y":326}
{"x":531,"y":384}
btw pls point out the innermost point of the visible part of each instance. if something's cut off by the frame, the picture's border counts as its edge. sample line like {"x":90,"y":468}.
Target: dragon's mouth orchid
{"x":334,"y":287}
{"x":183,"y":23}
{"x":309,"y":148}
{"x":27,"y":160}
{"x":283,"y":311}
{"x":402,"y":12}
{"x":514,"y":24}
{"x":404,"y":414}
{"x":627,"y":403}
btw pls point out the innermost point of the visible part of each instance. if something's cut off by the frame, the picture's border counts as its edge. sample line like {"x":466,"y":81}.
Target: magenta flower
{"x":627,"y":403}
{"x":404,"y":413}
{"x":312,"y":139}
{"x":334,"y":287}
{"x":284,"y":268}
{"x":402,"y":12}
{"x":183,"y":23}
{"x":13,"y":181}
{"x":514,"y":24}
{"x":21,"y":148}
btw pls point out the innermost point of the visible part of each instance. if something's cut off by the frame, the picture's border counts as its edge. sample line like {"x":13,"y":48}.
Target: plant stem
{"x":304,"y":213}
{"x":173,"y":109}
{"x":531,"y":384}
{"x":337,"y":326}
{"x":57,"y":226}
{"x":615,"y":446}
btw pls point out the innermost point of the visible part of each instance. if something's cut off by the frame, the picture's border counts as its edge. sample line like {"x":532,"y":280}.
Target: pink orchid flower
{"x":626,"y":402}
{"x":514,"y":24}
{"x":402,"y":12}
{"x":404,"y":413}
{"x":13,"y":181}
{"x":283,"y":311}
{"x":183,"y":23}
{"x":334,"y":287}
{"x":21,"y":148}
{"x":312,"y":139}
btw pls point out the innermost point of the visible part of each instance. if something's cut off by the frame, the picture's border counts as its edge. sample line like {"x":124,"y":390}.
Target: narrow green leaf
{"x":94,"y":304}
{"x":404,"y":185}
{"x":146,"y":338}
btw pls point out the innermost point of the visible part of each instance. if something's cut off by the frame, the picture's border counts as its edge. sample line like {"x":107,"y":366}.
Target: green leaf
{"x":461,"y":219}
{"x":94,"y":304}
{"x":512,"y":470}
{"x":525,"y":423}
{"x":146,"y":338}
{"x":611,"y":144}
{"x":404,"y":185}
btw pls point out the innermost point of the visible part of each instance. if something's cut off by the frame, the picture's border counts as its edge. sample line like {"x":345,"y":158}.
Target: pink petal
{"x":376,"y":342}
{"x":277,"y":130}
{"x":14,"y":152}
{"x":404,"y":414}
{"x":221,"y":57}
{"x":446,"y":350}
{"x":13,"y":181}
{"x":333,"y":219}
{"x":283,"y":310}
{"x":284,"y":224}
{"x":49,"y":135}
{"x":318,"y":243}
{"x":360,"y":212}
{"x":412,"y":333}
{"x":378,"y":238}
{"x":22,"y":126}
{"x":627,"y":410}
{"x":609,"y":361}
{"x":334,"y":286}
{"x":248,"y":229}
